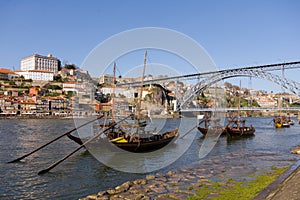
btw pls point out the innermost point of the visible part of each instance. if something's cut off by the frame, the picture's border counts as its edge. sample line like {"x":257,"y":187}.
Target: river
{"x":82,"y":174}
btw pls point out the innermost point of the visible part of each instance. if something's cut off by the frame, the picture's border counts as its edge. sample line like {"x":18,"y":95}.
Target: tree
{"x":228,"y":85}
{"x":122,"y":96}
{"x":66,"y":79}
{"x":54,"y":87}
{"x":57,"y":78}
{"x":247,"y":91}
{"x":70,"y":94}
{"x":52,"y":94}
{"x":70,"y":66}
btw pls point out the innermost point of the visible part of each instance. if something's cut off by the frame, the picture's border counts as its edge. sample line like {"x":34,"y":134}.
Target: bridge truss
{"x":207,"y":79}
{"x":288,"y":84}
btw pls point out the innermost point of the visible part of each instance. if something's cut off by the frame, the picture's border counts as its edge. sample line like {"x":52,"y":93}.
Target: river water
{"x":82,"y":174}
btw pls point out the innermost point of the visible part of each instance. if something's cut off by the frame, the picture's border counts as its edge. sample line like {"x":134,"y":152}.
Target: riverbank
{"x":189,"y":184}
{"x":44,"y":117}
{"x":34,"y":117}
{"x":286,"y":186}
{"x":218,"y":183}
{"x":78,"y":117}
{"x":196,"y":184}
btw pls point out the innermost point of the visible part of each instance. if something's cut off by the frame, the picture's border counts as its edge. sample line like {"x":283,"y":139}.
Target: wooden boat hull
{"x":285,"y":125}
{"x":202,"y":130}
{"x":241,"y":132}
{"x":137,"y":147}
{"x":145,"y":145}
{"x":205,"y":130}
{"x":208,"y":122}
{"x":278,"y":125}
{"x":282,"y":122}
{"x":282,"y":125}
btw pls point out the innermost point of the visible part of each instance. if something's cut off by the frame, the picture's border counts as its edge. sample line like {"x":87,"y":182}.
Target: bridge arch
{"x":288,"y":84}
{"x":165,"y":92}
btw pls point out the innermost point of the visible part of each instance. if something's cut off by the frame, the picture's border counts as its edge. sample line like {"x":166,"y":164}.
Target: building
{"x":79,"y":88}
{"x":39,"y":62}
{"x":6,"y":74}
{"x":119,"y":91}
{"x":106,"y":79}
{"x":65,"y":72}
{"x":266,"y":101}
{"x":36,"y":75}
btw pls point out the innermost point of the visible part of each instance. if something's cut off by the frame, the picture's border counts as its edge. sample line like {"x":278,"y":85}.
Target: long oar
{"x":78,"y":148}
{"x":188,"y":132}
{"x":28,"y":154}
{"x":271,"y":122}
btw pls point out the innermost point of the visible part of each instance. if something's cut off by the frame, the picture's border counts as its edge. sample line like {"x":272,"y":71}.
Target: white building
{"x":36,"y":75}
{"x":119,"y":91}
{"x":39,"y":62}
{"x":84,"y":91}
{"x":70,"y":86}
{"x":266,"y":101}
{"x":107,"y":79}
{"x":79,"y":88}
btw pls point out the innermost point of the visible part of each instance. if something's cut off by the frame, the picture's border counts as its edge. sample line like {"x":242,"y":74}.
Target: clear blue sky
{"x":234,"y":33}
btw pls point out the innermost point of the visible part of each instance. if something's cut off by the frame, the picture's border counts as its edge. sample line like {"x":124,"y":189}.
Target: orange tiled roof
{"x":6,"y":71}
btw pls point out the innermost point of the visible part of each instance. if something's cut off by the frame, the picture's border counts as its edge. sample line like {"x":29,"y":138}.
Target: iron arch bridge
{"x":165,"y":93}
{"x":212,"y":77}
{"x":188,"y":96}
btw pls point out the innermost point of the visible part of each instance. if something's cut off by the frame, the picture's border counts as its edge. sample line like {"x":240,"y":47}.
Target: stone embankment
{"x":185,"y":183}
{"x":285,"y":187}
{"x":289,"y":189}
{"x":159,"y":186}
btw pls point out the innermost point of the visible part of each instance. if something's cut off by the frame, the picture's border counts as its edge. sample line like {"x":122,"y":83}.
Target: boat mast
{"x":141,"y":89}
{"x":239,"y":104}
{"x":113,"y":95}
